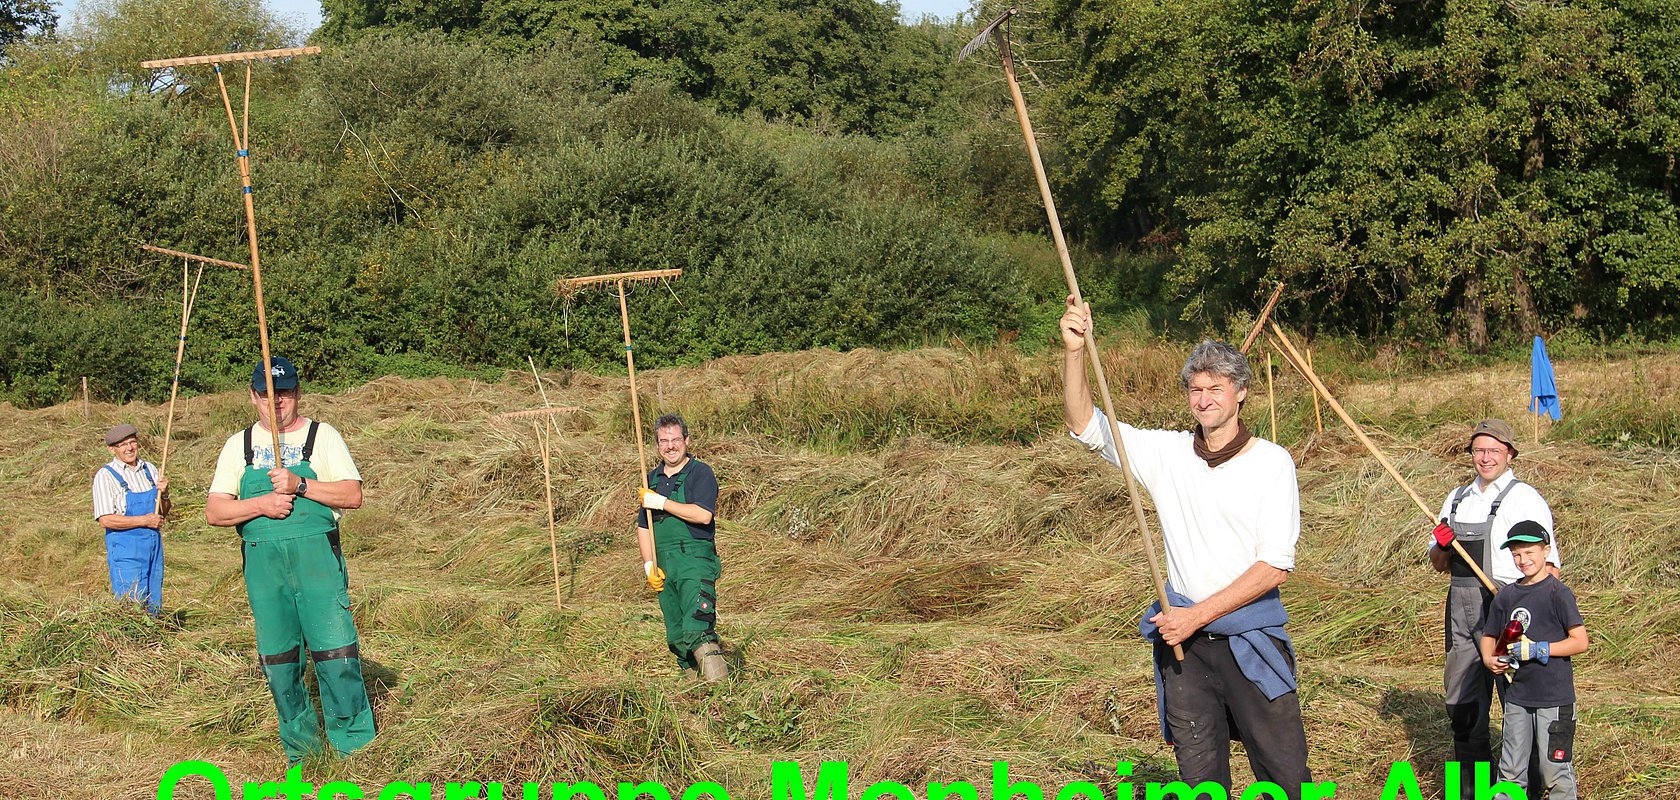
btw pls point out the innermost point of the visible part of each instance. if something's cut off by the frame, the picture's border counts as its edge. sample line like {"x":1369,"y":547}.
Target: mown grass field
{"x":923,"y":575}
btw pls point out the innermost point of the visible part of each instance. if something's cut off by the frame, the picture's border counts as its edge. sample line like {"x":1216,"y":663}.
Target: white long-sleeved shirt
{"x":108,"y":496}
{"x":1216,"y":521}
{"x":1524,"y":502}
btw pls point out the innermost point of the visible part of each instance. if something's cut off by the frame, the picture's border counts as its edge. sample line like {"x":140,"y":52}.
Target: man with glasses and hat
{"x":286,"y":511}
{"x":131,"y":501}
{"x":1480,"y":516}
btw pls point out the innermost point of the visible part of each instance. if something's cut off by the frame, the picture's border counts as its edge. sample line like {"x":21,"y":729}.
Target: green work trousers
{"x":300,"y":599}
{"x":689,"y":599}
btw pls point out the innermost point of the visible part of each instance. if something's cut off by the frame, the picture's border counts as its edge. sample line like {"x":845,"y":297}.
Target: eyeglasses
{"x":1489,"y":451}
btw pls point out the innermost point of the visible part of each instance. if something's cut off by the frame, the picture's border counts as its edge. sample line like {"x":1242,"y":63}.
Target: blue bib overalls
{"x":135,"y":556}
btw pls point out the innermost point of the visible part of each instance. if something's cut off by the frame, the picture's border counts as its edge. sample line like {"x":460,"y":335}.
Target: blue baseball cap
{"x":285,"y":375}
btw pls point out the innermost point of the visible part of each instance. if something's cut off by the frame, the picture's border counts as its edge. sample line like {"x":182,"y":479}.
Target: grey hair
{"x":670,"y":421}
{"x":1217,"y":358}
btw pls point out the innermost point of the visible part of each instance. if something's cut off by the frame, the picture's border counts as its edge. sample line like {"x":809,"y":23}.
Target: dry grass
{"x":922,"y":575}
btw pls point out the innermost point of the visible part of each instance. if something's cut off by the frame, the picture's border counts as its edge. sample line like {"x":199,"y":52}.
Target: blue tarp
{"x":1544,"y":393}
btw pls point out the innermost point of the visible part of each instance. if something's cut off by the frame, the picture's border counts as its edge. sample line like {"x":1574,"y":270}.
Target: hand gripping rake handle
{"x":995,"y":31}
{"x":1301,"y":365}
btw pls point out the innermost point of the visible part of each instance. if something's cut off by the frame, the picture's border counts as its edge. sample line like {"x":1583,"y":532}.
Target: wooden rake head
{"x":994,"y":27}
{"x":546,"y":411}
{"x":224,"y":58}
{"x":201,"y":259}
{"x":566,"y":287}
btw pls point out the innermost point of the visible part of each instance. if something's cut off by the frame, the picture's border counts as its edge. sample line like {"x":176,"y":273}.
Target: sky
{"x":307,"y":13}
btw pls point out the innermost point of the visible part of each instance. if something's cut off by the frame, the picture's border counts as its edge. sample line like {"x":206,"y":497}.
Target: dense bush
{"x":422,"y":195}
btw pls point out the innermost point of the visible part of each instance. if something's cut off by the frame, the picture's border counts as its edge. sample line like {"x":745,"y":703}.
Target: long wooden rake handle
{"x":1282,"y":343}
{"x":542,"y":435}
{"x":1090,"y":341}
{"x":636,"y":411}
{"x":1260,"y":321}
{"x":187,"y":301}
{"x":241,"y":144}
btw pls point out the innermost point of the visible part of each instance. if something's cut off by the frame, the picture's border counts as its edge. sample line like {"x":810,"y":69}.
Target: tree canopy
{"x":1458,"y":170}
{"x":1432,"y":168}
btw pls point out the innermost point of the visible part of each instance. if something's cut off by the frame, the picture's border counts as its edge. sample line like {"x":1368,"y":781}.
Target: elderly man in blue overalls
{"x":130,"y":501}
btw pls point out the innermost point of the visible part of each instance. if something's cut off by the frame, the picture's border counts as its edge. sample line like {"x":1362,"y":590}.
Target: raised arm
{"x":1076,"y":389}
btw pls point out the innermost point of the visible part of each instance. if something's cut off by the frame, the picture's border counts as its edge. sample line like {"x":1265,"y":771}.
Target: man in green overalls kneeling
{"x":287,"y":516}
{"x":678,"y":511}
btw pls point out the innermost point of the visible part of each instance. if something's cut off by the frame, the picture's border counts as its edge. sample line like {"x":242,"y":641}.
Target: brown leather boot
{"x":710,"y":658}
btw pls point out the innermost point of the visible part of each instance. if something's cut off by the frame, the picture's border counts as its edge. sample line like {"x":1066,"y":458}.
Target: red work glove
{"x":1443,"y":535}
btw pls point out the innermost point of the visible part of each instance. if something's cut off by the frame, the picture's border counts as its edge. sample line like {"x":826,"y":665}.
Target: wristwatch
{"x":303,"y":484}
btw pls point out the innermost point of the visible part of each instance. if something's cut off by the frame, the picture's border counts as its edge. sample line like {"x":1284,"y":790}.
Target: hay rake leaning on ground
{"x":1230,"y":517}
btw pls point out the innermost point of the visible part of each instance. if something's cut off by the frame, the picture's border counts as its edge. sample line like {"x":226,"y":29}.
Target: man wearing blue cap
{"x":287,"y":514}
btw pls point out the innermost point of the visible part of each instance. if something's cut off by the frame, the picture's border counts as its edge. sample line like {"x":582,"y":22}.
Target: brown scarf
{"x":1216,"y":457}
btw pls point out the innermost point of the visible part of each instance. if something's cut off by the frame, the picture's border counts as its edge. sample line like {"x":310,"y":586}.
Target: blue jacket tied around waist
{"x":1250,"y":630}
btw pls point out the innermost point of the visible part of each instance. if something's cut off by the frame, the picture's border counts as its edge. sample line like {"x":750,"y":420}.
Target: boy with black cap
{"x":286,"y":509}
{"x":1540,"y":702}
{"x":1480,"y":516}
{"x":131,"y":501}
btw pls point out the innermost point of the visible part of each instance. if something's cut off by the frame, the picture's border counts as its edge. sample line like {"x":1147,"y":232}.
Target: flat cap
{"x":119,"y":433}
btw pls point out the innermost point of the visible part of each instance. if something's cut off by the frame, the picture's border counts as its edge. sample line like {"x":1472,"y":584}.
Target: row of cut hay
{"x":919,"y":606}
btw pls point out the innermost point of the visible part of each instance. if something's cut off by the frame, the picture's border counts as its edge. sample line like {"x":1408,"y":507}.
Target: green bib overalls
{"x":300,"y":598}
{"x":689,"y":599}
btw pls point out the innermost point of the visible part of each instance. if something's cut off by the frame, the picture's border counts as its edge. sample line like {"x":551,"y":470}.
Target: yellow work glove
{"x":653,"y":500}
{"x":655,"y":575}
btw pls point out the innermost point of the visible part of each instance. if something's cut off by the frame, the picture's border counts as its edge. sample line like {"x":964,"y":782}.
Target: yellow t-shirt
{"x":330,"y":460}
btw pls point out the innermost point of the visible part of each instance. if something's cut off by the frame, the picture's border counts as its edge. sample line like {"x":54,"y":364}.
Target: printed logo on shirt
{"x":263,"y":457}
{"x":1520,"y":614}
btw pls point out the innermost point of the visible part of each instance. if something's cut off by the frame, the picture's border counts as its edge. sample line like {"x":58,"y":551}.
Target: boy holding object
{"x":1540,"y":703}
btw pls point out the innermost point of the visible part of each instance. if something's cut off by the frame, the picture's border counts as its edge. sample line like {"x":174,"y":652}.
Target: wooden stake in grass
{"x":187,"y":302}
{"x":568,"y":286}
{"x":995,"y":31}
{"x":242,"y":149}
{"x":1281,"y":341}
{"x":84,"y":398}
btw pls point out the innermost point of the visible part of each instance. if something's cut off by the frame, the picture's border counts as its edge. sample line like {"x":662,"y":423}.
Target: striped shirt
{"x":108,"y":496}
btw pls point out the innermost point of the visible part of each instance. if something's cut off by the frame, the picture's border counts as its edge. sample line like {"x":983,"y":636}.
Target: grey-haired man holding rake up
{"x":1230,"y":515}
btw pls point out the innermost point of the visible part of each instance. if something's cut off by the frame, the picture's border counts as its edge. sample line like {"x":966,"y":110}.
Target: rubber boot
{"x":710,"y":658}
